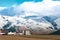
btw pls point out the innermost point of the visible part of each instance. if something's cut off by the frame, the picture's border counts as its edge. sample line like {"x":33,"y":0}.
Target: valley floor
{"x":32,"y":37}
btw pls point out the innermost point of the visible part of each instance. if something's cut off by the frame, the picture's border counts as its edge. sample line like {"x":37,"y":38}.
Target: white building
{"x":23,"y":30}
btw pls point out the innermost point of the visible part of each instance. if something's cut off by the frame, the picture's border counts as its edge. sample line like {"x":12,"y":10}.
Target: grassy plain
{"x":31,"y":37}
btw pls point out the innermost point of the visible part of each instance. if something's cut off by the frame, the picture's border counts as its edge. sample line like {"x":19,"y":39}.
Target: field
{"x":32,"y":37}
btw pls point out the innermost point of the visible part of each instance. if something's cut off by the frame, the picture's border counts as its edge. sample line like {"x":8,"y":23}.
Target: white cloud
{"x":38,"y":8}
{"x":1,"y":8}
{"x":46,"y":7}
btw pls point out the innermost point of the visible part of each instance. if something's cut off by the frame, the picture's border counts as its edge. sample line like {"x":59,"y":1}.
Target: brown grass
{"x":32,"y":37}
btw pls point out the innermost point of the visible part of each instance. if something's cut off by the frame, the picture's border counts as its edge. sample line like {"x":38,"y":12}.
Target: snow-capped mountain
{"x":11,"y":19}
{"x":39,"y":17}
{"x":13,"y":23}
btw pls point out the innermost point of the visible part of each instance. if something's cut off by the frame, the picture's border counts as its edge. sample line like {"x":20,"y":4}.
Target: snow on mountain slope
{"x":31,"y":24}
{"x":45,"y":27}
{"x":57,"y":21}
{"x":2,"y":22}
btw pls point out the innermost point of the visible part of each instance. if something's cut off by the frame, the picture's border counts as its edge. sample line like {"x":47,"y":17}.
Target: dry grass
{"x":32,"y":37}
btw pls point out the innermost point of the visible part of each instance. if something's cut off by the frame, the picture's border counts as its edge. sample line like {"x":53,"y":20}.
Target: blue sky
{"x":11,"y":2}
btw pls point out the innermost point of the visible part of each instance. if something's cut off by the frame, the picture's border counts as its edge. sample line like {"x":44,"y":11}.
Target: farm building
{"x":22,"y":30}
{"x":3,"y":32}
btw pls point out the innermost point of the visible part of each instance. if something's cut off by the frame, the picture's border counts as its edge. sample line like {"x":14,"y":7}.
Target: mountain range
{"x":9,"y":19}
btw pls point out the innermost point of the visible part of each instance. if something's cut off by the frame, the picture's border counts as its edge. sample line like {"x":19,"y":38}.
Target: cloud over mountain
{"x":33,"y":8}
{"x":33,"y":15}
